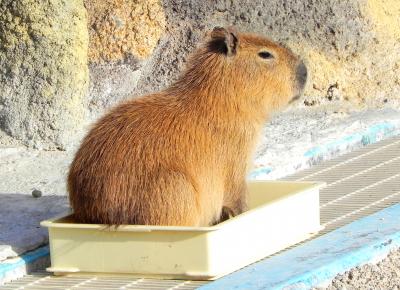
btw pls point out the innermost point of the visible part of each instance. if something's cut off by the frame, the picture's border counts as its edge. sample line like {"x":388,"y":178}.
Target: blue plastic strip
{"x":321,"y":259}
{"x":23,"y":260}
{"x":260,"y":171}
{"x":371,"y":135}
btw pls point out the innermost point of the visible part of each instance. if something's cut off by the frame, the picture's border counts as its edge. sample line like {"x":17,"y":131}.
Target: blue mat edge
{"x":320,"y":260}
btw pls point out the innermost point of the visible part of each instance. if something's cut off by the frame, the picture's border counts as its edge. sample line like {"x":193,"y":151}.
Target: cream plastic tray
{"x":281,"y":214}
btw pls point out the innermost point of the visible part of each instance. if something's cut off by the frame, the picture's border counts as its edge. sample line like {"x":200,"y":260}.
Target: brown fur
{"x":180,"y":156}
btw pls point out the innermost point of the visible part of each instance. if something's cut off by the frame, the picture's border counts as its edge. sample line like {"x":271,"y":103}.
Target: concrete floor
{"x":293,"y":140}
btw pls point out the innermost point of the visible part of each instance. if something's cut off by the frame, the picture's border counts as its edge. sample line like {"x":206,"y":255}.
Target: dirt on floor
{"x":383,"y":275}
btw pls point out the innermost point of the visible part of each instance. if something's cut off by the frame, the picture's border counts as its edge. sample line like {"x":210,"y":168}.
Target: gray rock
{"x":36,"y":193}
{"x":43,"y":71}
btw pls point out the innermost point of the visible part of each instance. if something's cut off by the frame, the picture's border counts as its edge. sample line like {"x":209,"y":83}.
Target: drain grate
{"x":358,"y":184}
{"x":39,"y":281}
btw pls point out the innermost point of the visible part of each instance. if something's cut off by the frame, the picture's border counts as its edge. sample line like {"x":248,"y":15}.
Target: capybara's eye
{"x":265,"y":55}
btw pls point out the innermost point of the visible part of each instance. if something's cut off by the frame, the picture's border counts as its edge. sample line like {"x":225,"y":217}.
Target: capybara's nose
{"x":301,"y":75}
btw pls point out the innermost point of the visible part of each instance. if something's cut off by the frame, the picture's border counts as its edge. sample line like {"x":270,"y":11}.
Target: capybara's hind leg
{"x":174,"y":202}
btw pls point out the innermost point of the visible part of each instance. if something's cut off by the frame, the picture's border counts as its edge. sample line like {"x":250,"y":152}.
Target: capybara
{"x":180,"y":156}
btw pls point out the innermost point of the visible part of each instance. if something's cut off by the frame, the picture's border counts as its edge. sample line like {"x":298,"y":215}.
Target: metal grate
{"x":358,"y":184}
{"x":39,"y":281}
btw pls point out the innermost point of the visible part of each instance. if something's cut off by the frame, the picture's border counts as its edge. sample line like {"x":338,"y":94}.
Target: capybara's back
{"x":180,"y":156}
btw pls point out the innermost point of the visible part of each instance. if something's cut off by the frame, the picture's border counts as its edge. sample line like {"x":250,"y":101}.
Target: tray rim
{"x":52,"y":222}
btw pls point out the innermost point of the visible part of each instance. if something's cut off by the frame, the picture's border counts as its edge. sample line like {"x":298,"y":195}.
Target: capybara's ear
{"x":224,"y":40}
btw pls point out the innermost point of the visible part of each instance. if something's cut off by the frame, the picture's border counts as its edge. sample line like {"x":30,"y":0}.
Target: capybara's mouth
{"x":301,"y":75}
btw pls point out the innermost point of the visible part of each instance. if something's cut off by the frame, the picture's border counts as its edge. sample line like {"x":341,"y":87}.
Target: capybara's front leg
{"x":239,"y":204}
{"x":235,"y":202}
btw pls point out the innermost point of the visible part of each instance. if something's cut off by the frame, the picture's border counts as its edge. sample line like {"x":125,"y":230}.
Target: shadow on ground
{"x":20,"y":217}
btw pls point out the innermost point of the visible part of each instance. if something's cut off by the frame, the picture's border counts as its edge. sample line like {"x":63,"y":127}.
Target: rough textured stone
{"x":111,"y":83}
{"x":120,"y":28}
{"x":352,"y":49}
{"x":43,"y":70}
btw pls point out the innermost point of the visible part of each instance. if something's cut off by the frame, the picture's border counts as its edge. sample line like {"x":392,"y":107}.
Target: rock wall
{"x":121,"y":28}
{"x":123,"y":34}
{"x":43,"y":70}
{"x":352,"y":48}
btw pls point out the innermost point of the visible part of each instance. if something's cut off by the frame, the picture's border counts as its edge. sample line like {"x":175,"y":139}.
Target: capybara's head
{"x":248,"y":65}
